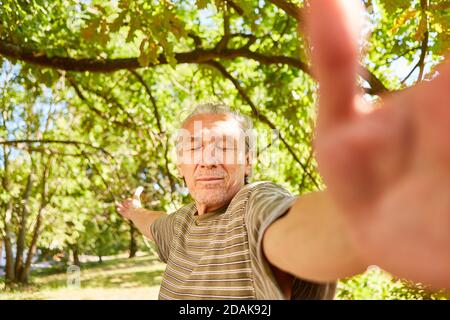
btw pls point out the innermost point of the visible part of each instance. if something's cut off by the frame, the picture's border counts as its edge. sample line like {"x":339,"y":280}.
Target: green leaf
{"x":201,"y":4}
{"x":118,"y":22}
{"x":90,"y":31}
{"x":148,"y":52}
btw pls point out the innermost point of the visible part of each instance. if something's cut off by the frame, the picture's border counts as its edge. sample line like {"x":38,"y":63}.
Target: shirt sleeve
{"x":266,"y":203}
{"x":163,"y":230}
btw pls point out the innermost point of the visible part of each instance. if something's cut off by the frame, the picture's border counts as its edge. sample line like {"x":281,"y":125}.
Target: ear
{"x":180,"y":172}
{"x":248,"y":164}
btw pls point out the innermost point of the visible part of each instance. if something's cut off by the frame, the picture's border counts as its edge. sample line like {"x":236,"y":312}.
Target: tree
{"x":126,"y":72}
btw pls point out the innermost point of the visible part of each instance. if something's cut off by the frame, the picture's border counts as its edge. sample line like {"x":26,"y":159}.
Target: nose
{"x":209,"y":157}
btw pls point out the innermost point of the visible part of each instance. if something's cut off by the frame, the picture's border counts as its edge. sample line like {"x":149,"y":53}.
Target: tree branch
{"x":251,"y":38}
{"x":58,"y":153}
{"x":95,"y":168}
{"x":196,"y":38}
{"x":256,"y":113}
{"x":76,"y":143}
{"x":222,"y":44}
{"x":97,"y":111}
{"x":160,"y":129}
{"x":424,"y":47}
{"x":196,"y":56}
{"x":376,"y":86}
{"x":410,"y":73}
{"x":110,"y":65}
{"x":236,"y":8}
{"x":404,"y":53}
{"x":302,"y":183}
{"x":290,"y":8}
{"x":152,"y":99}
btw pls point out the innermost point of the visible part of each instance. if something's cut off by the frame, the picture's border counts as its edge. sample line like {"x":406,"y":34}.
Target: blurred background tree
{"x":93,"y":91}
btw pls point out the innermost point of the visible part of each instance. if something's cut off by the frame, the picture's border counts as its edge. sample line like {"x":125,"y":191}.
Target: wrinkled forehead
{"x":208,"y":126}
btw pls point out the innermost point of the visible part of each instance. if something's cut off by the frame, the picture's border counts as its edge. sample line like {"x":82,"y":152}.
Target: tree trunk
{"x":25,"y":270}
{"x":76,"y":259}
{"x":9,"y":257}
{"x":9,"y":267}
{"x":23,"y":225}
{"x":100,"y":260}
{"x":133,"y":243}
{"x":1,"y":250}
{"x":23,"y":277}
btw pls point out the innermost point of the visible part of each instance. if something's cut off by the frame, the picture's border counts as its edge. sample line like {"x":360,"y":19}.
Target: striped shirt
{"x":218,"y":255}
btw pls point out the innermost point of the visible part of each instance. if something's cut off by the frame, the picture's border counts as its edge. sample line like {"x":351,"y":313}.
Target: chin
{"x":211,"y":198}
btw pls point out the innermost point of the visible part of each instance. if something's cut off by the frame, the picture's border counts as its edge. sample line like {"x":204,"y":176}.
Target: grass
{"x":139,"y":279}
{"x":136,"y":279}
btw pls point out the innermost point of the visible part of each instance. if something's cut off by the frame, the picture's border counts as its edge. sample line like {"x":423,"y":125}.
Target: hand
{"x":127,"y":207}
{"x":387,"y":167}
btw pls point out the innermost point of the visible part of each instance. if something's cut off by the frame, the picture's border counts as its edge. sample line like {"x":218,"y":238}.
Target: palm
{"x":389,"y":169}
{"x":127,"y":207}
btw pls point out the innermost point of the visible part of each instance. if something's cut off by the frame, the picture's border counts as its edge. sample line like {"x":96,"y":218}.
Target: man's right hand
{"x":128,"y":207}
{"x":386,"y":166}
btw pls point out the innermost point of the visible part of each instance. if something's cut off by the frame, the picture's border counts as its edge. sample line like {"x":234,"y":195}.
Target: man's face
{"x":212,"y":159}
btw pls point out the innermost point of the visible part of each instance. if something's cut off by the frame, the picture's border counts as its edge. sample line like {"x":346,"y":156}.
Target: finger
{"x":138,"y":192}
{"x":333,"y":27}
{"x":127,"y":204}
{"x":127,"y":201}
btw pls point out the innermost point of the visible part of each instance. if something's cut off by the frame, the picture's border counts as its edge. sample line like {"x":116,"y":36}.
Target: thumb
{"x":136,"y":197}
{"x":137,"y":193}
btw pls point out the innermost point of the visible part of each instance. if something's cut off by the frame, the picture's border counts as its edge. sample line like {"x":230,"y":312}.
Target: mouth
{"x":209,"y":179}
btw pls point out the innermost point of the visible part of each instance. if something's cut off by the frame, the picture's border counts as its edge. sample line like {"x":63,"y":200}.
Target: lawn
{"x":121,"y":278}
{"x":139,"y":279}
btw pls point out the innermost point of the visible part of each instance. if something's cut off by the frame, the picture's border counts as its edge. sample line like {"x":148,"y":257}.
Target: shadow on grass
{"x":122,"y":279}
{"x":105,"y":265}
{"x":117,"y":273}
{"x":125,"y":280}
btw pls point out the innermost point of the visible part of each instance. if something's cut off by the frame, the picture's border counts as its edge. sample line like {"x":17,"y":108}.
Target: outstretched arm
{"x":312,"y":241}
{"x":387,"y":170}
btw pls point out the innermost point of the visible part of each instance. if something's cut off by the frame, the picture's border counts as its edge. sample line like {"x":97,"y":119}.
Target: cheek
{"x":187,"y":171}
{"x":235,"y":173}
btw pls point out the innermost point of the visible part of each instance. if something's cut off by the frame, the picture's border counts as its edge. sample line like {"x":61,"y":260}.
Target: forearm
{"x":311,"y":241}
{"x":143,"y":219}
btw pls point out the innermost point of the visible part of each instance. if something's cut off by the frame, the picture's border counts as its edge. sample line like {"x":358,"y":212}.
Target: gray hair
{"x":221,"y":108}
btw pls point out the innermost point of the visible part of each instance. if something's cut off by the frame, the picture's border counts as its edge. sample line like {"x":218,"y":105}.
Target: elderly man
{"x":214,"y":247}
{"x":387,"y":202}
